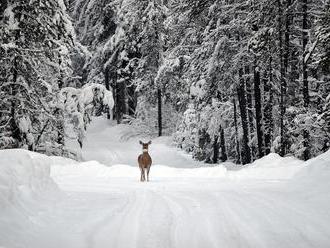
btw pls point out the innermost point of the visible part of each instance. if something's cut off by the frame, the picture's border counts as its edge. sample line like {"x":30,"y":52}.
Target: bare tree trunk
{"x":236,"y":133}
{"x":159,"y":98}
{"x":132,"y":100}
{"x":16,"y":134}
{"x":287,"y":35}
{"x":305,"y":78}
{"x":223,"y":145}
{"x":282,"y":80}
{"x":122,"y":103}
{"x":215,"y":150}
{"x":107,"y":86}
{"x":246,"y":152}
{"x":259,"y":123}
{"x":113,"y":77}
{"x":249,"y":96}
{"x":268,"y":110}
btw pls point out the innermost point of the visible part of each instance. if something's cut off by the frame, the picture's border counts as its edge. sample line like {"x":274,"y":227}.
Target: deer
{"x":144,"y":161}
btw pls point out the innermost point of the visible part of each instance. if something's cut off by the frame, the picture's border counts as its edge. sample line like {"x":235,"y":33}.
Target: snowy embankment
{"x":23,"y":175}
{"x":56,"y":202}
{"x":24,"y":183}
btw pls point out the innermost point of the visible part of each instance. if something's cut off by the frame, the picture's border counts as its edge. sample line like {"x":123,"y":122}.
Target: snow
{"x":111,"y":145}
{"x":79,"y":105}
{"x":271,"y":167}
{"x":12,"y":23}
{"x":24,"y":180}
{"x":197,"y":90}
{"x":85,"y":96}
{"x":22,"y":170}
{"x":315,"y":174}
{"x":8,"y":46}
{"x":24,"y":124}
{"x":57,"y":202}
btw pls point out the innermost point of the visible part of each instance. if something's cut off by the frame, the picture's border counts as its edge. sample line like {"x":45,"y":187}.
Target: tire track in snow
{"x":177,"y":211}
{"x":157,"y":221}
{"x":130,"y":222}
{"x":146,"y":223}
{"x":192,"y":227}
{"x":98,"y":228}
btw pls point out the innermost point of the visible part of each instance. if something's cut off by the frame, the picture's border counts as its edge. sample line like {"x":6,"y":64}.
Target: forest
{"x":227,"y":79}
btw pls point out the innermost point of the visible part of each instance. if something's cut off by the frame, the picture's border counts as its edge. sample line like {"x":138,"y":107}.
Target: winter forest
{"x":230,"y":80}
{"x":225,"y":102}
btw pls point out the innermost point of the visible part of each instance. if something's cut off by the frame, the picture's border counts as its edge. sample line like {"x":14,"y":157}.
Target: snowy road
{"x":119,"y":212}
{"x":265,"y":205}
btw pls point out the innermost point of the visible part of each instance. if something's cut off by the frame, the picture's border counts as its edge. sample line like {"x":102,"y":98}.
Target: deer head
{"x":145,"y":146}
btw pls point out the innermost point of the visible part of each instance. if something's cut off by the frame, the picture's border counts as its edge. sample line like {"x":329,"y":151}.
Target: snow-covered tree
{"x":35,"y":37}
{"x":79,"y":105}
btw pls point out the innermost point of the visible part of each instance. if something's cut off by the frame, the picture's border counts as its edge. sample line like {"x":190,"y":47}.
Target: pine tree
{"x":34,"y":37}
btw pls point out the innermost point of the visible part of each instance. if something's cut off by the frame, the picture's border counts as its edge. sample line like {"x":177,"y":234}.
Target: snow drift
{"x":25,"y":182}
{"x":23,"y":174}
{"x":316,"y":168}
{"x":271,"y":167}
{"x":314,"y":177}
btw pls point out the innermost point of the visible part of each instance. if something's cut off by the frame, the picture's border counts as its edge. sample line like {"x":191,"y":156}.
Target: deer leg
{"x":143,"y":175}
{"x":141,"y":178}
{"x":148,"y":173}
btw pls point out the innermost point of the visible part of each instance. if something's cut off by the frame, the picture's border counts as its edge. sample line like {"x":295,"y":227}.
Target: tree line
{"x":239,"y":79}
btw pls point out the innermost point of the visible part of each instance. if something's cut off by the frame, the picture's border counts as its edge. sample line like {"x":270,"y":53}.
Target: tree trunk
{"x":246,"y":152}
{"x":223,"y":145}
{"x":236,"y":133}
{"x":249,"y":96}
{"x":287,"y":35}
{"x":215,"y":150}
{"x":305,"y":78}
{"x":16,"y":134}
{"x":132,"y":100}
{"x":113,"y":77}
{"x":268,"y":110}
{"x":159,"y":98}
{"x":122,"y":104}
{"x":107,"y":86}
{"x":282,"y":81}
{"x":259,"y":124}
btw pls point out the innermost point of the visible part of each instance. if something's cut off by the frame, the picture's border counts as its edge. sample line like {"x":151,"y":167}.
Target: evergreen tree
{"x":35,"y":37}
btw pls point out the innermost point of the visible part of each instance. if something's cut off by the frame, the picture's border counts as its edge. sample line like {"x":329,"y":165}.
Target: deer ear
{"x":140,"y":142}
{"x":149,"y":143}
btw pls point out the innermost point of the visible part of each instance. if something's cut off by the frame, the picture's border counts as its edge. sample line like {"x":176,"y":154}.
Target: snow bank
{"x":22,"y":174}
{"x":271,"y":167}
{"x":25,"y":175}
{"x":318,"y":167}
{"x":25,"y":189}
{"x":315,"y":176}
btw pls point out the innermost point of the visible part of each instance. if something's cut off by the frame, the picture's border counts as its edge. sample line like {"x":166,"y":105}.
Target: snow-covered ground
{"x":56,"y":202}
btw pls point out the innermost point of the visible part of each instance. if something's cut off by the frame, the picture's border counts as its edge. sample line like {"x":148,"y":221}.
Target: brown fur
{"x":144,"y":161}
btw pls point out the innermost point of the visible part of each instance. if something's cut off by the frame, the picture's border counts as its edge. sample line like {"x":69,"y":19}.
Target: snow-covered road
{"x":274,"y":202}
{"x":180,"y":212}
